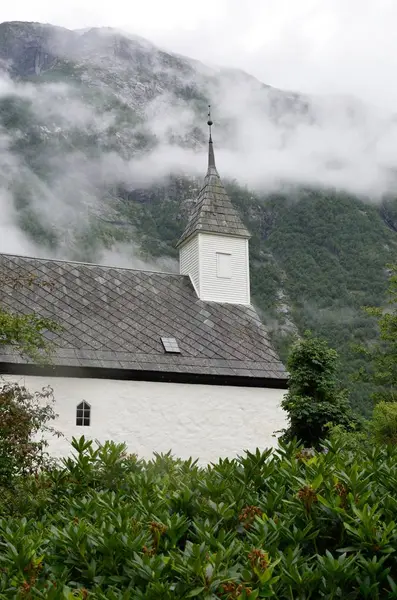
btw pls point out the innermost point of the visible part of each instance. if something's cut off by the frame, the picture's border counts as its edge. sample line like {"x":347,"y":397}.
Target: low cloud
{"x":86,"y":143}
{"x":127,"y":256}
{"x":265,"y":138}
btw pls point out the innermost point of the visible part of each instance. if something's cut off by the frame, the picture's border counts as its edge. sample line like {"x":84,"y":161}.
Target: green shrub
{"x":352,"y":439}
{"x":314,"y":400}
{"x":24,"y":419}
{"x":285,"y":524}
{"x":384,"y":422}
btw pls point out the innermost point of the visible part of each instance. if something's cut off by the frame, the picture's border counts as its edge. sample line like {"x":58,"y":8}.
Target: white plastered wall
{"x":203,"y":421}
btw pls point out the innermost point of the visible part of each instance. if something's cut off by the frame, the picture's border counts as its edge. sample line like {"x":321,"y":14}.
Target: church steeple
{"x":213,"y":211}
{"x":214,"y":246}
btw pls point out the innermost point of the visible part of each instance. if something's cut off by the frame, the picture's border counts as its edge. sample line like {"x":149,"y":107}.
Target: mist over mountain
{"x":103,"y":148}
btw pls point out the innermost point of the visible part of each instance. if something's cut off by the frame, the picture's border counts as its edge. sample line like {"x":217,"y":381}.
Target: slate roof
{"x":114,"y":318}
{"x":213,"y":211}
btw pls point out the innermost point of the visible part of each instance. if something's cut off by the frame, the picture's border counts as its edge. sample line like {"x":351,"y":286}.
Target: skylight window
{"x":170,"y":345}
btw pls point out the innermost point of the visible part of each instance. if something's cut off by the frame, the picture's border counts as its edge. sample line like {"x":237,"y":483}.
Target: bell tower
{"x":213,"y":249}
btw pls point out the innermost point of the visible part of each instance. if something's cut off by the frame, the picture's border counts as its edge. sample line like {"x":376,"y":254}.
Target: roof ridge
{"x":89,"y":264}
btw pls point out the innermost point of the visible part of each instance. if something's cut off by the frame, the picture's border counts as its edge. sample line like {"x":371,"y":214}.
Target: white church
{"x":161,"y":361}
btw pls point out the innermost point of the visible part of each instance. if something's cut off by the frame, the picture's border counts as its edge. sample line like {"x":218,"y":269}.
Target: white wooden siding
{"x":235,"y":290}
{"x":189,"y":261}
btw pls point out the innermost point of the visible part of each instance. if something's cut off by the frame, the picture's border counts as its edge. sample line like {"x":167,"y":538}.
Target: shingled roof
{"x":213,"y":211}
{"x":114,"y":319}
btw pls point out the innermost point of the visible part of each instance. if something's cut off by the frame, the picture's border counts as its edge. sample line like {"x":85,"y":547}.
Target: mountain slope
{"x":102,"y":149}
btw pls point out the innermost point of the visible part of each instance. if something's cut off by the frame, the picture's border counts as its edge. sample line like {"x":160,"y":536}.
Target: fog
{"x":264,"y":138}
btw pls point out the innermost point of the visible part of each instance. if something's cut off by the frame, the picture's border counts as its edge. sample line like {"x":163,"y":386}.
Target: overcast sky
{"x":321,"y":46}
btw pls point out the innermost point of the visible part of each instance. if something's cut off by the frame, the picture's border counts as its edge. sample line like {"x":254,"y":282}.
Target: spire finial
{"x":209,"y":122}
{"x":211,"y":157}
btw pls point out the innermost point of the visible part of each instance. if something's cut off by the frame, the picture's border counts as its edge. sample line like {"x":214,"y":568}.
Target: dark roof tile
{"x":121,"y":329}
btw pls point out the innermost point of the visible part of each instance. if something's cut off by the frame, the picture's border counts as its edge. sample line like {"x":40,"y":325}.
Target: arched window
{"x":83,"y":414}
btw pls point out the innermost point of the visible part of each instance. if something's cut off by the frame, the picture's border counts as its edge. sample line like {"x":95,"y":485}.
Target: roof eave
{"x":26,"y":369}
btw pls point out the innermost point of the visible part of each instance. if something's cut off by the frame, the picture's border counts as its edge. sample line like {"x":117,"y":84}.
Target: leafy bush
{"x":352,"y":439}
{"x":24,"y":419}
{"x":384,"y":422}
{"x":314,"y":399}
{"x":288,"y":524}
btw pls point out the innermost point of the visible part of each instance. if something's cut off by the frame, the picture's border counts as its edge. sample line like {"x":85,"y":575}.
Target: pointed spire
{"x":211,"y":155}
{"x":213,"y":211}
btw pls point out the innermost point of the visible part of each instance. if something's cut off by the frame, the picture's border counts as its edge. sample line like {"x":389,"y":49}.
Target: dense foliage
{"x":314,"y":400}
{"x":384,"y":423}
{"x":381,"y":357}
{"x":327,"y":253}
{"x":25,"y":418}
{"x":292,"y":524}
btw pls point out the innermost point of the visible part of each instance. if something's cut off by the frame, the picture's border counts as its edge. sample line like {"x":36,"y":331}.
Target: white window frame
{"x":224,"y":265}
{"x":83,"y":414}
